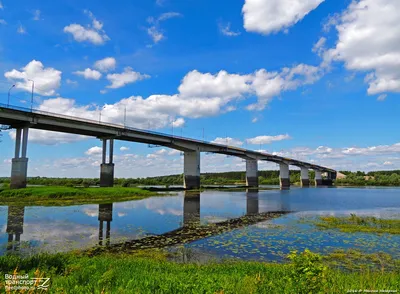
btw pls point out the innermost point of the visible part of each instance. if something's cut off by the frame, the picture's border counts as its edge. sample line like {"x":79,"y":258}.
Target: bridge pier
{"x":251,"y":173}
{"x":19,"y":165}
{"x":191,"y":170}
{"x":191,"y":209}
{"x":318,"y":178}
{"x":284,"y":176}
{"x":330,"y":176}
{"x":304,"y":179}
{"x":107,"y":169}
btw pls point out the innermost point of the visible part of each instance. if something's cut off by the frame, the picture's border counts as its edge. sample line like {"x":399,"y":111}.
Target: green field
{"x":54,"y":196}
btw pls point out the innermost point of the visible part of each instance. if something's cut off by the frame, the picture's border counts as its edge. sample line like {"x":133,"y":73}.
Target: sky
{"x":315,"y":80}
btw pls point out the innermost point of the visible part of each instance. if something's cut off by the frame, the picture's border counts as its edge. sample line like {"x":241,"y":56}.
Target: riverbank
{"x":55,"y":196}
{"x":152,"y":273}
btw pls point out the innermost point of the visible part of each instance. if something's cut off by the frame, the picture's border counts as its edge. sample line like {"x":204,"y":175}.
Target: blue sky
{"x":315,"y":80}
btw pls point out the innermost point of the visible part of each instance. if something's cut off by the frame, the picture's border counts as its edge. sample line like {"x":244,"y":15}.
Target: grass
{"x":150,"y":272}
{"x":355,"y":223}
{"x":54,"y":196}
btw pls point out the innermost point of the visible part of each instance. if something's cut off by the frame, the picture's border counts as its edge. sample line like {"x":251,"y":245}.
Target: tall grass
{"x":141,"y":274}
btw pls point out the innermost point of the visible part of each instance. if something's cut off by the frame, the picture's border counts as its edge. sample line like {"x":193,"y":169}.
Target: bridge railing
{"x":123,"y":127}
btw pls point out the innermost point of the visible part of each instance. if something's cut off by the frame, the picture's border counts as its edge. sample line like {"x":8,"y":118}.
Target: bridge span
{"x":23,"y":119}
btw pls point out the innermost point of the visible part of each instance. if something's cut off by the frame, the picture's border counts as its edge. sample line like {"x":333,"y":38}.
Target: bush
{"x":308,"y":274}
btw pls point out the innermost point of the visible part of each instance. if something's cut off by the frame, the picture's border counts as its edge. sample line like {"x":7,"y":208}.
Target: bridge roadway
{"x":23,"y":119}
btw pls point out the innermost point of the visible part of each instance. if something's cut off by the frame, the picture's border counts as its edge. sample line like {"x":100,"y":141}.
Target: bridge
{"x":23,"y":119}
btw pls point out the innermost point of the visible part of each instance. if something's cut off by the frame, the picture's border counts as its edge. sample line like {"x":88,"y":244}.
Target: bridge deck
{"x":18,"y":117}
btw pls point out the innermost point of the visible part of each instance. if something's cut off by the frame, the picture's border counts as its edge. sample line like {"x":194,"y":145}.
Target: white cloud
{"x":93,"y":34}
{"x":127,"y":77}
{"x":1,"y":5}
{"x":43,"y":137}
{"x":36,"y":14}
{"x":3,"y":22}
{"x":178,"y":123}
{"x":225,"y":29}
{"x":222,"y":84}
{"x":47,"y":80}
{"x":267,"y":139}
{"x":227,"y":141}
{"x":71,"y":82}
{"x":160,"y":2}
{"x":154,"y":30}
{"x":123,"y":148}
{"x":271,"y":16}
{"x":388,"y":163}
{"x":155,"y":34}
{"x":89,"y":74}
{"x":367,"y":20}
{"x":168,"y":15}
{"x":106,"y":64}
{"x":382,"y":97}
{"x":96,"y":150}
{"x":254,"y":120}
{"x":319,"y":46}
{"x":21,"y":30}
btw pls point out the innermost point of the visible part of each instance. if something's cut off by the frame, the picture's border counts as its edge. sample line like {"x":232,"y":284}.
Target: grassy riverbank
{"x":122,"y":273}
{"x":354,"y":223}
{"x":68,"y":196}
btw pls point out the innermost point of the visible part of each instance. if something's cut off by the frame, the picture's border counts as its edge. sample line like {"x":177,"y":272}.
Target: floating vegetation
{"x":365,"y":224}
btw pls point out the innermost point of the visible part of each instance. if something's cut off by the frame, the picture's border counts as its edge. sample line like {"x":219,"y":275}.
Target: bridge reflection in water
{"x":191,"y":229}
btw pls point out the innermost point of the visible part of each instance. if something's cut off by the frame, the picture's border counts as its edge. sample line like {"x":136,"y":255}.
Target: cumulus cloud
{"x":96,"y":150}
{"x":106,"y":64}
{"x":123,"y":148}
{"x":361,"y":22}
{"x":94,"y":33}
{"x":271,"y":16}
{"x":178,"y":123}
{"x":128,"y":76}
{"x":47,"y":80}
{"x":43,"y":137}
{"x":227,"y":141}
{"x":267,"y":139}
{"x":89,"y":74}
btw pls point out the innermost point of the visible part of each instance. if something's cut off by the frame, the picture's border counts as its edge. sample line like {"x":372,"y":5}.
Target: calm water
{"x":65,"y":228}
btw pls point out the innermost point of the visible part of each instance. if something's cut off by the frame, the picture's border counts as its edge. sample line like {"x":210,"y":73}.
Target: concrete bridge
{"x":23,"y":119}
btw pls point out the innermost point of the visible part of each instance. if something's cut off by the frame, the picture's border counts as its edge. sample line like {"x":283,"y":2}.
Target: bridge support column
{"x":251,"y":173}
{"x":19,"y":165}
{"x":192,"y":170}
{"x":318,"y":178}
{"x":330,"y":176}
{"x":191,"y":209}
{"x":284,"y":176}
{"x":107,"y":169}
{"x":305,"y":181}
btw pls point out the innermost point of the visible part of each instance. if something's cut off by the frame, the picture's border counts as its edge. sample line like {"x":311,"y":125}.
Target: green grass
{"x":355,"y":223}
{"x":54,"y":196}
{"x":141,"y":273}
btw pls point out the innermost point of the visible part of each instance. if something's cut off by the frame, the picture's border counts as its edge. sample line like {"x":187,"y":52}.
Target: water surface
{"x":33,"y":228}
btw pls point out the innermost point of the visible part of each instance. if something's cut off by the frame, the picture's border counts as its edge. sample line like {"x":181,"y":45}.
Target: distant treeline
{"x":374,"y":178}
{"x":267,"y":177}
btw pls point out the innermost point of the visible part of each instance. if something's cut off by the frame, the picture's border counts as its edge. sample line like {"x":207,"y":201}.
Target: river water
{"x":245,"y":229}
